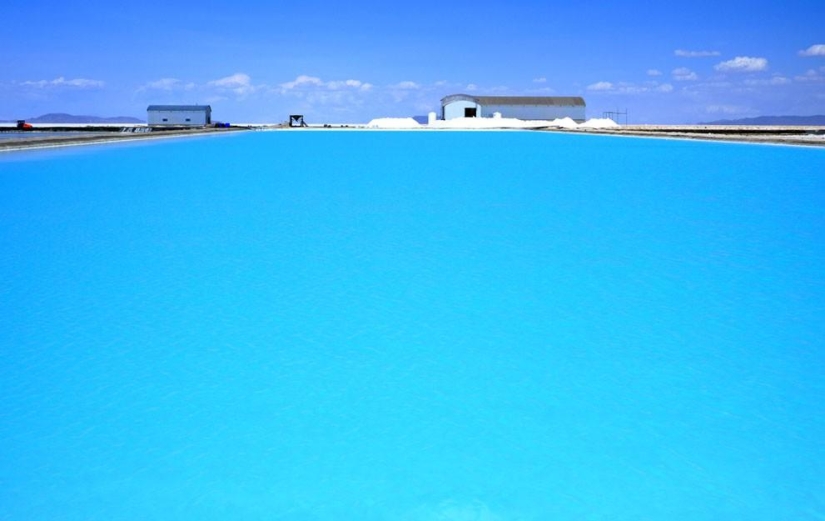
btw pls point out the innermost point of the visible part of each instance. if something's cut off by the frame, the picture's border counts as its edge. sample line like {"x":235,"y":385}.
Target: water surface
{"x":468,"y":326}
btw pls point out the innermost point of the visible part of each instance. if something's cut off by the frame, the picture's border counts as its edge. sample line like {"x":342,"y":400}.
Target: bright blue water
{"x":430,"y":326}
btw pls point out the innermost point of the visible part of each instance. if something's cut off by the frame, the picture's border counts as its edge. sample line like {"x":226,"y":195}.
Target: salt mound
{"x":599,"y":123}
{"x":564,"y":123}
{"x":394,"y":123}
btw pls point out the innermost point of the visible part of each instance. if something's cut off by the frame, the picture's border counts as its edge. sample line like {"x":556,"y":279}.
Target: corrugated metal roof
{"x":564,"y":101}
{"x":177,"y":108}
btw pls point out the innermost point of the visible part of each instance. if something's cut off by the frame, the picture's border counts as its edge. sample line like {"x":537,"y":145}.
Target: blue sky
{"x":665,"y":62}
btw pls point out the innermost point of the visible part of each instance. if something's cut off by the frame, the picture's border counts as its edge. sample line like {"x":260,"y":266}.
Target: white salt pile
{"x":390,"y":123}
{"x":564,"y":123}
{"x":599,"y":123}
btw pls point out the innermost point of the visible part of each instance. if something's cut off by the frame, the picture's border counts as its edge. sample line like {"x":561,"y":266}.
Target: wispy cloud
{"x":812,"y":75}
{"x":743,"y":64}
{"x":630,"y":88}
{"x":776,"y":80}
{"x":654,"y":72}
{"x":684,"y":74}
{"x":302,"y":81}
{"x":814,"y":50}
{"x":78,"y":83}
{"x":726,"y":109}
{"x":540,"y":80}
{"x":348,"y":84}
{"x":600,"y":86}
{"x":695,"y":54}
{"x":406,"y":85}
{"x":305,"y":82}
{"x":471,"y":87}
{"x":168,"y":84}
{"x":239,"y":83}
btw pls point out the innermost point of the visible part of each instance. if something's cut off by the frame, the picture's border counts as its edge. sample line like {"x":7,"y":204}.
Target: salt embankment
{"x":490,"y":123}
{"x":394,"y":123}
{"x":598,"y":123}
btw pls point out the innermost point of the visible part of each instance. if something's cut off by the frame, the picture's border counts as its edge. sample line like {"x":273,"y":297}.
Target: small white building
{"x":520,"y":107}
{"x":179,"y":115}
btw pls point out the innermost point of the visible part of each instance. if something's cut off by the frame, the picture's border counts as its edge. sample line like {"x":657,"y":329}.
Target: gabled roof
{"x":177,"y":108}
{"x":563,"y":101}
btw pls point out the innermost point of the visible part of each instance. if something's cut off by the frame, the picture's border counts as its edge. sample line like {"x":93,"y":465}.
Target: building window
{"x":470,"y":112}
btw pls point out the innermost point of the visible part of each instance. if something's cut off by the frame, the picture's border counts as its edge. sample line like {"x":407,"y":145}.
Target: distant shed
{"x":520,"y":107}
{"x":179,"y":115}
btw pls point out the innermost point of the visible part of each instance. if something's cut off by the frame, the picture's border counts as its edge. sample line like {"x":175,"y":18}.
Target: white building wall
{"x":527,"y":112}
{"x":456,"y":108}
{"x":195,"y":118}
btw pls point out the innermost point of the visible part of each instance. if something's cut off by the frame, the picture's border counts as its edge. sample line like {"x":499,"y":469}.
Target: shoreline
{"x":59,"y":140}
{"x":777,"y":135}
{"x":766,"y":135}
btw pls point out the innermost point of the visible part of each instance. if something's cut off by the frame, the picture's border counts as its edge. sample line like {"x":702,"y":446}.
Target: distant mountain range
{"x":772,"y":120}
{"x":69,"y":118}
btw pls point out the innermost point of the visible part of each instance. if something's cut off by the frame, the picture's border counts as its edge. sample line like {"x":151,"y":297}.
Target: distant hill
{"x":772,"y":120}
{"x":69,"y":118}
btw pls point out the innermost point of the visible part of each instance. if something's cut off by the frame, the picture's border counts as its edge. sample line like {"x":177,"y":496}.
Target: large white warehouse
{"x":179,"y":115}
{"x":520,"y":107}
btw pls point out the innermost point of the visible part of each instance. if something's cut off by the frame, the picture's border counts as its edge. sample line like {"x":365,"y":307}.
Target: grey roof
{"x":176,"y":108}
{"x":563,"y":101}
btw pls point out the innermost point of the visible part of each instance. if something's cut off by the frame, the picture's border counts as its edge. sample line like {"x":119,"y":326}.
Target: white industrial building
{"x":519,"y":107}
{"x":179,"y":115}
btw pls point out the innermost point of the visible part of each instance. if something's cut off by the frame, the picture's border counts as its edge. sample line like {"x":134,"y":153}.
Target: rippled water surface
{"x":412,"y":326}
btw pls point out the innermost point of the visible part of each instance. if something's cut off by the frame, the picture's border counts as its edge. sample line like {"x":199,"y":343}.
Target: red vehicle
{"x":22,"y":125}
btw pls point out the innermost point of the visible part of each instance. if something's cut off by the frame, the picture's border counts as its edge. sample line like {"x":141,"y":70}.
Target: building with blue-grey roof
{"x":179,"y":115}
{"x":520,"y":107}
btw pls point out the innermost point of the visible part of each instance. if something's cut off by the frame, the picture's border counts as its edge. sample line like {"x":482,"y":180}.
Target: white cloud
{"x":812,"y":75}
{"x":80,"y":83}
{"x":743,"y":64}
{"x":239,"y":83}
{"x":726,"y":109}
{"x":168,"y":84}
{"x":164,"y":84}
{"x":776,"y":80}
{"x":301,"y":81}
{"x":695,"y":54}
{"x":601,"y":86}
{"x":407,"y":85}
{"x":540,"y":80}
{"x":654,"y":72}
{"x":684,"y":74}
{"x":814,"y":50}
{"x":626,"y":88}
{"x":471,"y":87}
{"x":348,"y":84}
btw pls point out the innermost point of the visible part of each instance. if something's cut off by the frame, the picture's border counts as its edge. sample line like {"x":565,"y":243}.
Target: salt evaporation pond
{"x":468,"y":326}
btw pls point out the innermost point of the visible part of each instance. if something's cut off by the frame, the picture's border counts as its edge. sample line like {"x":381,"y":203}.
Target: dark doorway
{"x":470,"y":112}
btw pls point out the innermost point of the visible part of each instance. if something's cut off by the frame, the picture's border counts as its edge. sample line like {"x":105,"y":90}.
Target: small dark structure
{"x":297,"y":120}
{"x":22,"y":125}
